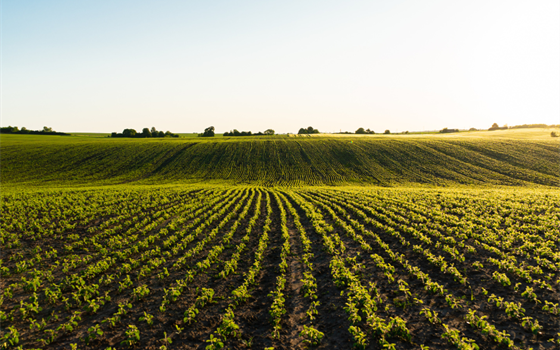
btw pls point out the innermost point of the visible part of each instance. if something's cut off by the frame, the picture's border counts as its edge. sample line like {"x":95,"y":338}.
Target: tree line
{"x":235,"y":132}
{"x":15,"y":130}
{"x":145,"y":133}
{"x":209,"y":132}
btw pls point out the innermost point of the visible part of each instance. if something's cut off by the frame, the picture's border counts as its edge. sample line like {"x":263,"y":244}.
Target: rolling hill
{"x":522,"y":158}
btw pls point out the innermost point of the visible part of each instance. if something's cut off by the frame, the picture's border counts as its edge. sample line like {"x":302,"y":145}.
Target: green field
{"x":516,"y":157}
{"x":331,"y":241}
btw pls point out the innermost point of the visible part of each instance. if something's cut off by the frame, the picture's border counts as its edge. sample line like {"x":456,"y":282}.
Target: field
{"x":358,"y":266}
{"x":516,"y":157}
{"x":178,"y":244}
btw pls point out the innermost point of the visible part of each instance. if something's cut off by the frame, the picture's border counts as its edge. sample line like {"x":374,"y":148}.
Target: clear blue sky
{"x":103,"y":66}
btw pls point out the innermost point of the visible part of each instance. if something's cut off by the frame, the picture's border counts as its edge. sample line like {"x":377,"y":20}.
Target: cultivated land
{"x":439,"y":241}
{"x":513,"y":157}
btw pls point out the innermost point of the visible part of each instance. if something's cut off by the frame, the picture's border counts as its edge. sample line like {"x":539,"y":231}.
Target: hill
{"x":509,"y":157}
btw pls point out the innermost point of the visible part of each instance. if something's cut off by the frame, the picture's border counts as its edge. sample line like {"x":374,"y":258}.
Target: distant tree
{"x":154,"y":132}
{"x":554,"y":134}
{"x":446,"y":130}
{"x":269,"y":132}
{"x":533,"y":126}
{"x":473,"y":129}
{"x":9,"y":130}
{"x":368,"y":131}
{"x":208,"y":132}
{"x":361,"y":131}
{"x":129,"y":133}
{"x":146,"y":133}
{"x":308,"y":130}
{"x":495,"y":126}
{"x":16,"y":130}
{"x":387,"y":132}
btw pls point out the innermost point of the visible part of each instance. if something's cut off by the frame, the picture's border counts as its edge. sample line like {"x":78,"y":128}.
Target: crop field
{"x":524,"y":158}
{"x":209,"y":267}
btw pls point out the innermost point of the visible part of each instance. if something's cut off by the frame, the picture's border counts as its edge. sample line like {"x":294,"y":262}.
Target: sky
{"x":103,"y":66}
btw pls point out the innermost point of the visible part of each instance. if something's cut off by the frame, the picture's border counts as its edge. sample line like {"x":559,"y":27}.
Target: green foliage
{"x":208,"y":132}
{"x":15,"y":130}
{"x":144,"y":134}
{"x":361,"y":131}
{"x":84,"y":262}
{"x":308,"y":130}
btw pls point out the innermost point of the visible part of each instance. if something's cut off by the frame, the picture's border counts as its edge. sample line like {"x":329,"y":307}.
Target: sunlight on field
{"x":526,"y":134}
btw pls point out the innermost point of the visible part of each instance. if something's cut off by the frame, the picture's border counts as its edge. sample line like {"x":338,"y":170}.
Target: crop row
{"x":166,"y":266}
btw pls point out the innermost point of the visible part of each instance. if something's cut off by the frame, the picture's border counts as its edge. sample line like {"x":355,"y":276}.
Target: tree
{"x":387,"y":131}
{"x":360,"y":131}
{"x":308,"y":130}
{"x":47,"y":129}
{"x":208,"y":132}
{"x":146,"y":132}
{"x":154,"y":132}
{"x":269,"y":132}
{"x":129,"y":133}
{"x":368,"y":131}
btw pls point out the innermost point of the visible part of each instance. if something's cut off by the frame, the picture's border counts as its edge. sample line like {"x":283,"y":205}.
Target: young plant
{"x":133,"y":336}
{"x":148,"y":318}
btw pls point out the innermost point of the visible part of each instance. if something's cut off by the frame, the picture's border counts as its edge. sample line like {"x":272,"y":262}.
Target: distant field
{"x":513,"y":157}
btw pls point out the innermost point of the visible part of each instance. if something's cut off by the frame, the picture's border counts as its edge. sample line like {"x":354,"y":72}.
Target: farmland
{"x":281,"y":268}
{"x":420,"y":242}
{"x":520,"y":158}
